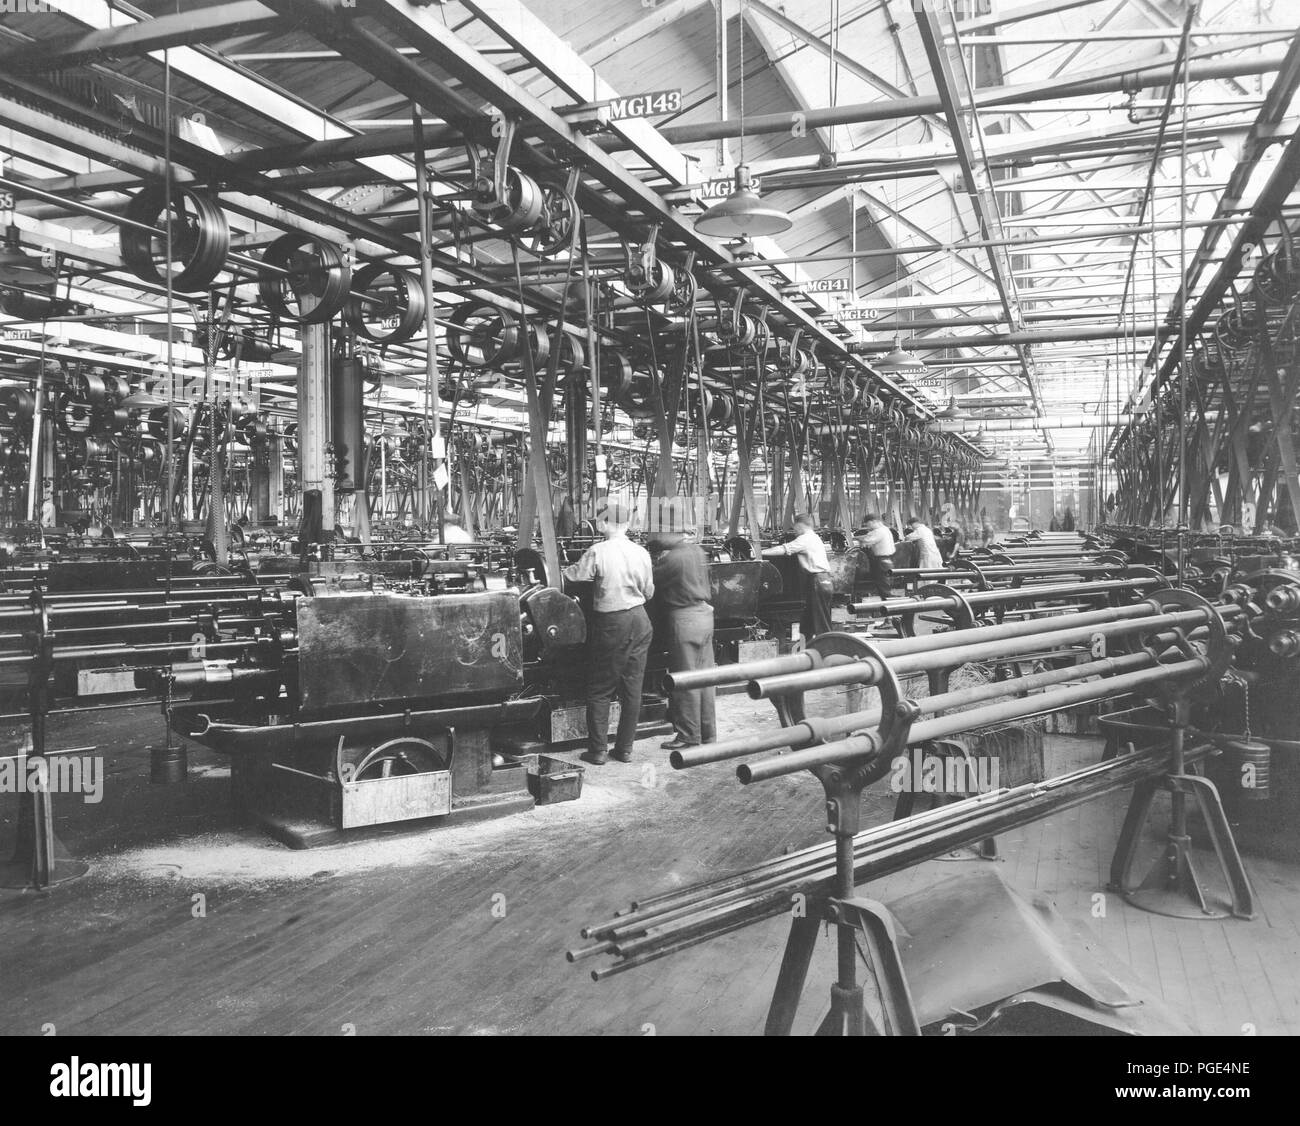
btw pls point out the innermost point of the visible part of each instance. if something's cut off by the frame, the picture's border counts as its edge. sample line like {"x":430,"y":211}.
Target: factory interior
{"x":650,"y":517}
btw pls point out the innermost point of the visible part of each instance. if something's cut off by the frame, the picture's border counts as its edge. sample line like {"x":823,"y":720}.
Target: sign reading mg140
{"x":653,"y":104}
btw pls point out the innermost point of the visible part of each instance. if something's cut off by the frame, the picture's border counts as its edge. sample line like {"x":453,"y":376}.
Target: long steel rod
{"x":869,"y":671}
{"x":961,"y":823}
{"x":1006,"y":595}
{"x":858,"y":746}
{"x":823,"y":727}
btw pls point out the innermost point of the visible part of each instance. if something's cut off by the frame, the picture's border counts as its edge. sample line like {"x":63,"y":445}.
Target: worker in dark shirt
{"x":682,"y":595}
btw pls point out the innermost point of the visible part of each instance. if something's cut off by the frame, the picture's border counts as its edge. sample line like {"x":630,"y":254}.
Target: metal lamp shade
{"x":898,"y":360}
{"x":742,"y":214}
{"x":18,"y":267}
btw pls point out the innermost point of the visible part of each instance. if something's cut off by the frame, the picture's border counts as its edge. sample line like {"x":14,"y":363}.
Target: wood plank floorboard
{"x":464,"y":930}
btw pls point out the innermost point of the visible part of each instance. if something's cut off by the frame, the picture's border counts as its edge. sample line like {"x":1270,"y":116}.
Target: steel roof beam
{"x":141,"y":38}
{"x":958,"y":107}
{"x":1276,"y":103}
{"x":332,"y":20}
{"x":1021,"y":12}
{"x":1104,"y":81}
{"x":1022,"y":338}
{"x":390,"y":141}
{"x":818,"y":44}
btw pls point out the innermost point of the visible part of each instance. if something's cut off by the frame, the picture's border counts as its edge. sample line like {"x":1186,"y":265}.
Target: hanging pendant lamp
{"x":18,"y":267}
{"x":898,"y":360}
{"x":952,"y":410}
{"x":743,"y":214}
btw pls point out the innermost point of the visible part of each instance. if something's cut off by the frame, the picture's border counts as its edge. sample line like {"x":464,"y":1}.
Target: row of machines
{"x":261,"y":657}
{"x":350,"y":685}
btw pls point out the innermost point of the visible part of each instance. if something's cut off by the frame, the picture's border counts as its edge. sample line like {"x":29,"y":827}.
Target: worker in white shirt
{"x":878,"y":542}
{"x":618,"y":635}
{"x":920,"y":533}
{"x":816,"y":569}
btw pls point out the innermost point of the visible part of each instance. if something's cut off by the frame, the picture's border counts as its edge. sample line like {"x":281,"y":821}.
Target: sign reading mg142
{"x":652,"y":104}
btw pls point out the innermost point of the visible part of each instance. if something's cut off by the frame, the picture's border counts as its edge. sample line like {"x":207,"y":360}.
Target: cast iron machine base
{"x":1171,"y":886}
{"x":36,"y":863}
{"x":854,"y":918}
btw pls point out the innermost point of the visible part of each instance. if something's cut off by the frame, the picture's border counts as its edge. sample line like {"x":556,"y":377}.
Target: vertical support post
{"x":383,"y":475}
{"x":593,"y":366}
{"x":314,"y":420}
{"x":432,"y":393}
{"x":275,"y":476}
{"x":34,"y":483}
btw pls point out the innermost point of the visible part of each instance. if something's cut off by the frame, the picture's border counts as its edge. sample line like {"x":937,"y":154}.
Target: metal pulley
{"x":253,"y":431}
{"x":315,"y":269}
{"x":520,"y":207}
{"x":1277,"y":277}
{"x":1236,"y":329}
{"x":200,"y":237}
{"x":648,"y":279}
{"x":841,"y":382}
{"x":481,"y":336}
{"x":72,"y":416}
{"x":615,"y":373}
{"x":702,"y":407}
{"x":555,"y":226}
{"x":17,"y":406}
{"x":684,"y":295}
{"x":573,"y":353}
{"x":107,"y":420}
{"x":156,"y":424}
{"x":83,"y":451}
{"x":389,"y":305}
{"x":97,"y":388}
{"x":722,"y":409}
{"x":639,"y":400}
{"x":793,"y":361}
{"x":651,"y":284}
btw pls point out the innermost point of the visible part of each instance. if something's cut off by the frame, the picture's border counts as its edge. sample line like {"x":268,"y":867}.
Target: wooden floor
{"x":463,"y":930}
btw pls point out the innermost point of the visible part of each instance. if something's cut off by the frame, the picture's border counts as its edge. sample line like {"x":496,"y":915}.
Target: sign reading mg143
{"x":652,"y":104}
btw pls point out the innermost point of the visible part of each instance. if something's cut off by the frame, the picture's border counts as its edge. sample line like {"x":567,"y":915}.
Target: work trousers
{"x":882,"y":574}
{"x":689,"y":637}
{"x":616,"y":656}
{"x":818,"y":590}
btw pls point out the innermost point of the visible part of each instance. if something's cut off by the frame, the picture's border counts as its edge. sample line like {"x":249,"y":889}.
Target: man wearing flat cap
{"x":683,"y":598}
{"x":618,"y":639}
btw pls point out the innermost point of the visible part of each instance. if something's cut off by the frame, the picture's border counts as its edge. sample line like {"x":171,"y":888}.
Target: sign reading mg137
{"x":653,"y":104}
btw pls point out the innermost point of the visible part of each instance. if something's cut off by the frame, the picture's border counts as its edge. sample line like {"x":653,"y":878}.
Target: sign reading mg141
{"x":653,"y":104}
{"x":826,"y":285}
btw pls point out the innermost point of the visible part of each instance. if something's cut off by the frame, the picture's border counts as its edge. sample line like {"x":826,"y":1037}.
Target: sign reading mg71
{"x":653,"y":104}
